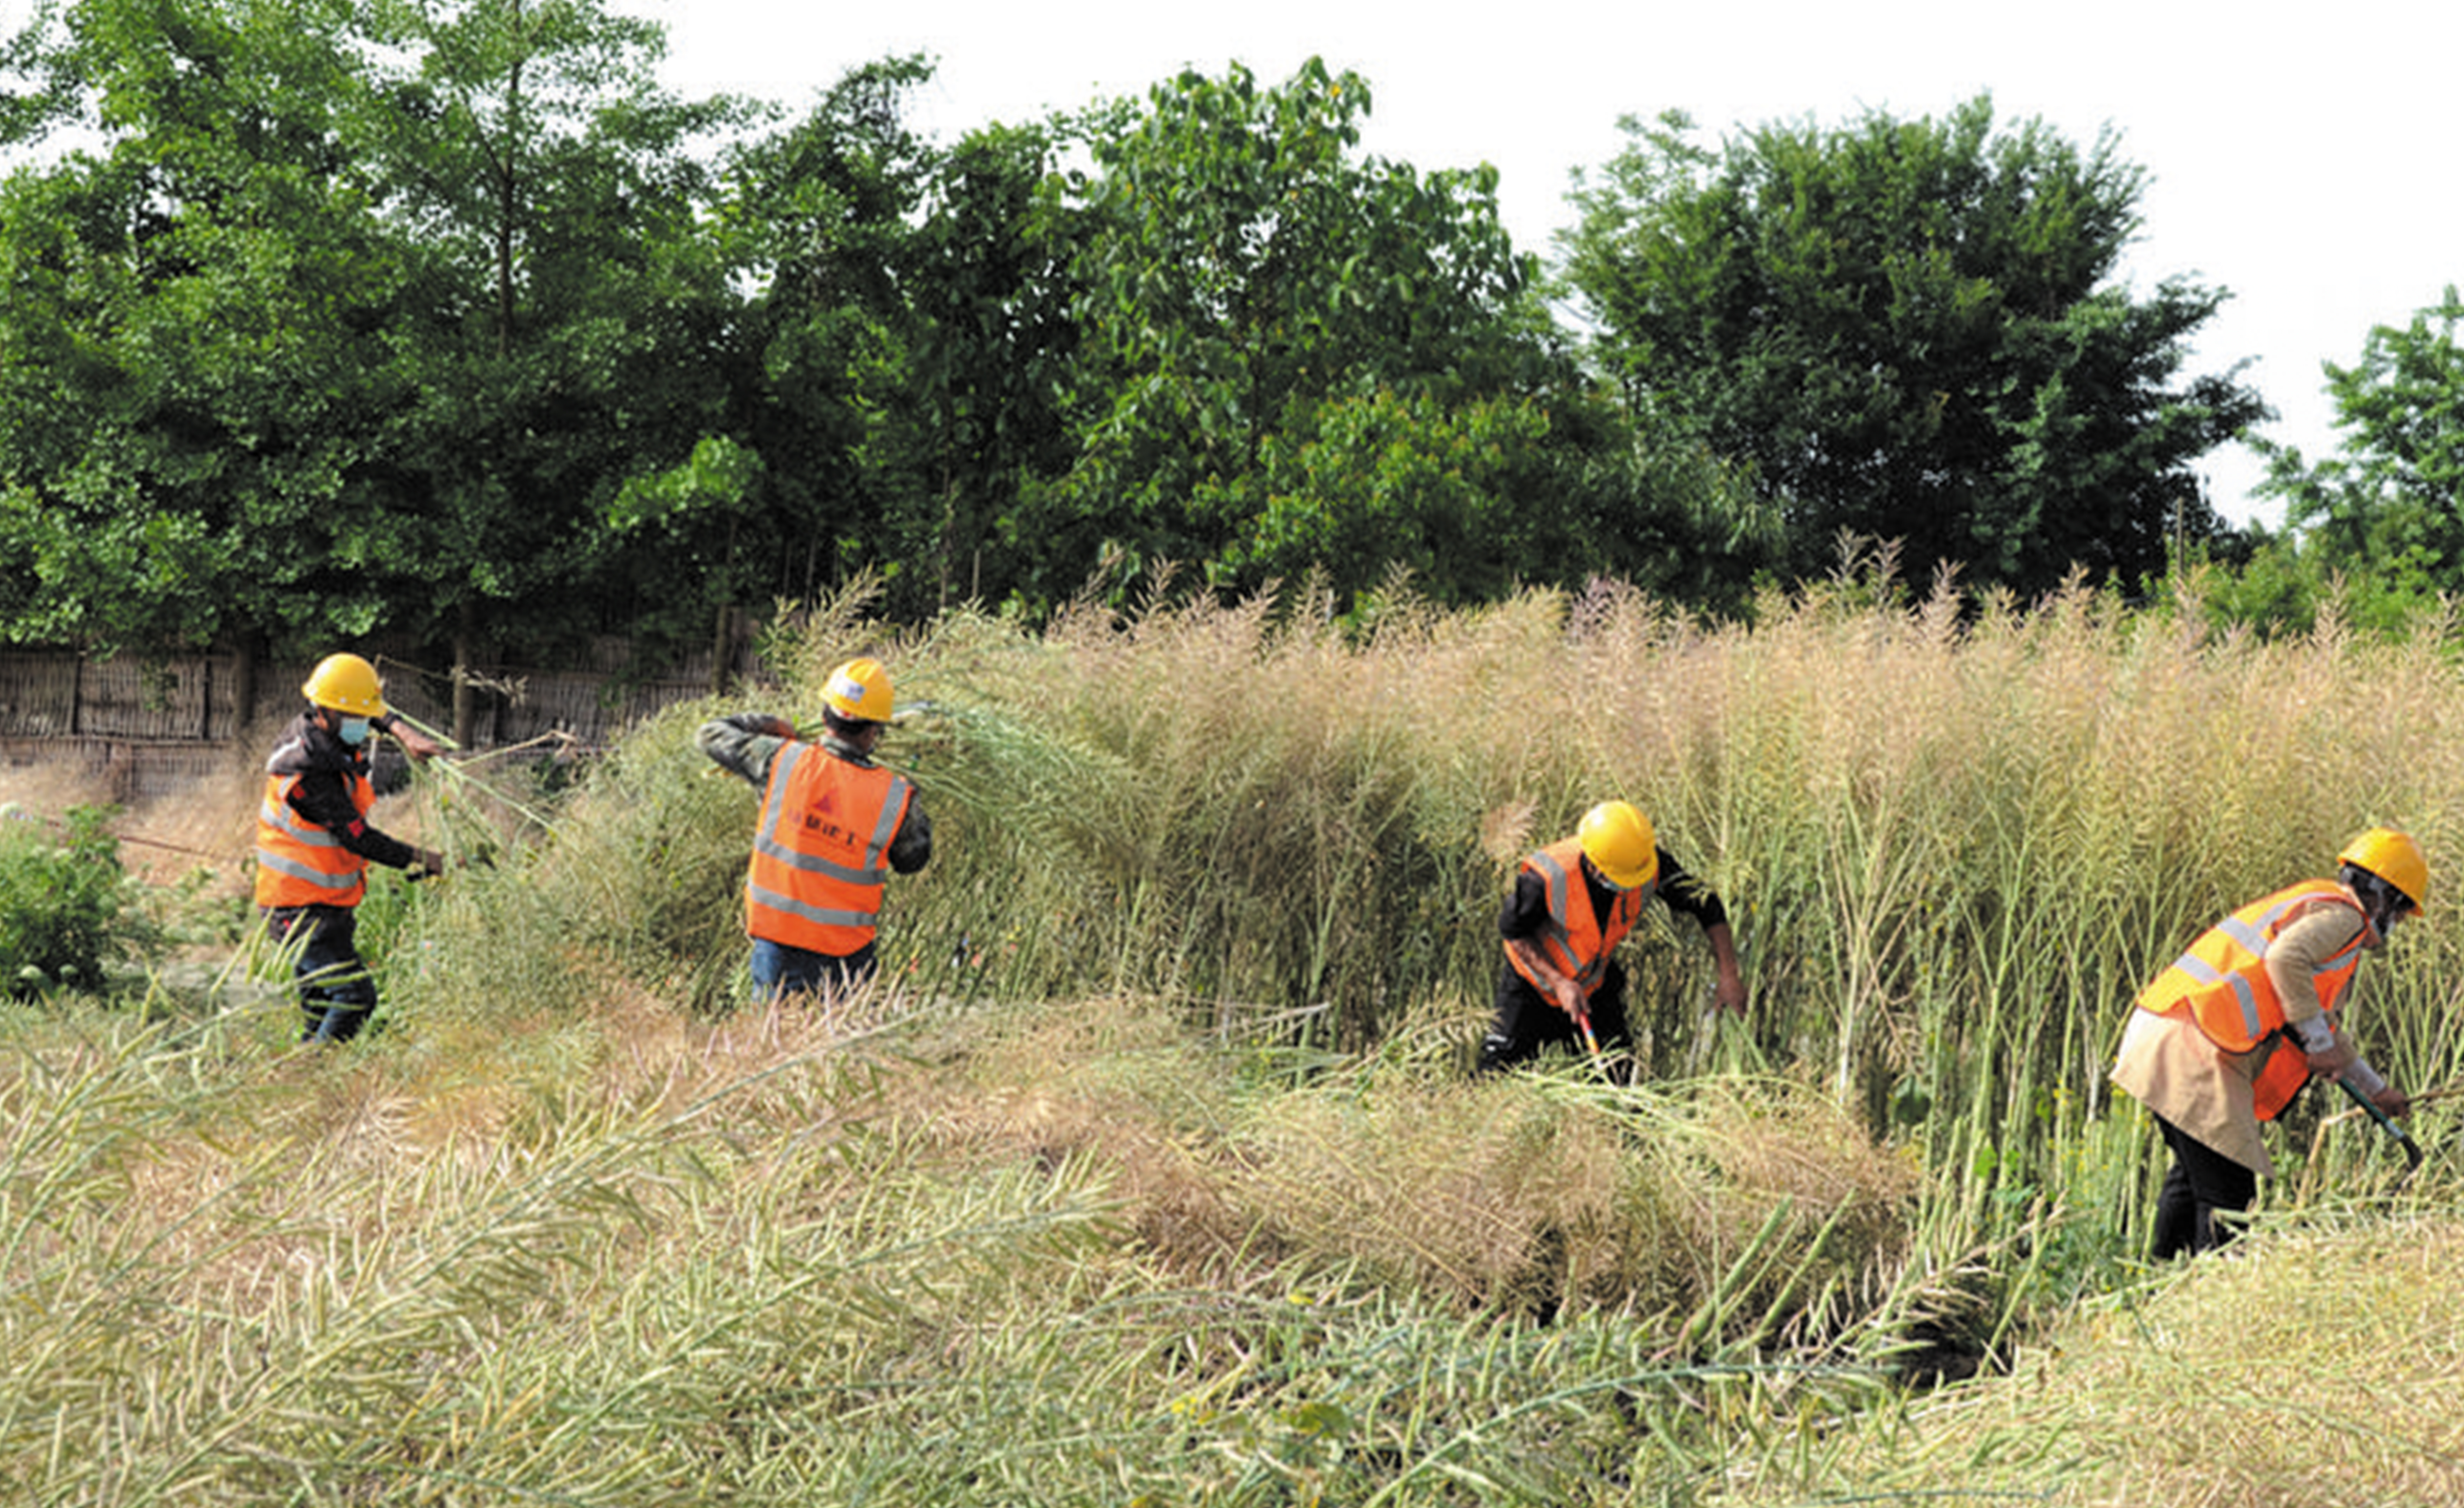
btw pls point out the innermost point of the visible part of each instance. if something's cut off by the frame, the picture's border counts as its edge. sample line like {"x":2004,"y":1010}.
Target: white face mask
{"x":354,"y":731}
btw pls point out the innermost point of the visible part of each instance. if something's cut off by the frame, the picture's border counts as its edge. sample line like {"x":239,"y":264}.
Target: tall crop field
{"x":1151,"y":1172}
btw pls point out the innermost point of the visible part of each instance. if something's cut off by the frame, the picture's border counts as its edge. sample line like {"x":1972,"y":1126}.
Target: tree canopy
{"x":2376,"y":529}
{"x":441,"y":318}
{"x":1910,"y":329}
{"x":350,"y":323}
{"x":2392,"y":498}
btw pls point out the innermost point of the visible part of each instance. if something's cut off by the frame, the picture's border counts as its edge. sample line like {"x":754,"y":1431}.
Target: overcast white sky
{"x":2303,"y":158}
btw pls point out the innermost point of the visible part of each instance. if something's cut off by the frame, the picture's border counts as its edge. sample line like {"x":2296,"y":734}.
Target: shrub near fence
{"x":146,"y":727}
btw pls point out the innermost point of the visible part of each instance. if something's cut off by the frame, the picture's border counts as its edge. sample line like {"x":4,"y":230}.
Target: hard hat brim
{"x":1629,"y":879}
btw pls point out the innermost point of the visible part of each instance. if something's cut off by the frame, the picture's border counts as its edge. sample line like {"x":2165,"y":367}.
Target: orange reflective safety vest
{"x":299,"y":863}
{"x":1575,"y":940}
{"x":818,"y":858}
{"x":2222,"y":984}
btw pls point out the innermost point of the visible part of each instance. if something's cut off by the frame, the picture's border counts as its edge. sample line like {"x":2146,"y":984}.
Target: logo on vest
{"x":821,"y":820}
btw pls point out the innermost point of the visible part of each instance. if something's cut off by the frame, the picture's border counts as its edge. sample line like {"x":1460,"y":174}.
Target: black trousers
{"x":1528,"y":1022}
{"x":336,"y":993}
{"x":2201,"y":1184}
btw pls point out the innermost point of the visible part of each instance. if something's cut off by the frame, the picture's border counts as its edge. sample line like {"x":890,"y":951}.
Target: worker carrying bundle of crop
{"x":2233,"y":1029}
{"x":1572,"y":904}
{"x":833,"y":826}
{"x":314,"y":843}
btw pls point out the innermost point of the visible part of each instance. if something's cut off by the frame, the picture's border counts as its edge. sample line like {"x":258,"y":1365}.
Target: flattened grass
{"x":1068,"y":1252}
{"x":2317,"y":1365}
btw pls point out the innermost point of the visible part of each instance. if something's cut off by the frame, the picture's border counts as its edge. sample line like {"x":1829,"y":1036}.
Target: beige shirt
{"x":2170,"y":1066}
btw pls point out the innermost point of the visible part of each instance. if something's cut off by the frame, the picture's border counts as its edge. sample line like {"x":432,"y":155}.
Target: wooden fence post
{"x":243,"y":685}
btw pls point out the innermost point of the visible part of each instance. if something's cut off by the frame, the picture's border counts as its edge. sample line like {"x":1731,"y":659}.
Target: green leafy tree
{"x":1241,"y":268}
{"x":911,"y":336}
{"x":1478,"y":498}
{"x":1909,"y":331}
{"x":569,"y":320}
{"x":684,"y":533}
{"x":899,"y":363}
{"x":818,"y":219}
{"x":2390,"y":504}
{"x":183,"y":332}
{"x":991,"y":335}
{"x":1384,"y":482}
{"x":357,"y":318}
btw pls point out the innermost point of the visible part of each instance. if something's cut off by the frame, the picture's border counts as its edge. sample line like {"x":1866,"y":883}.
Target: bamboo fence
{"x":149,"y":728}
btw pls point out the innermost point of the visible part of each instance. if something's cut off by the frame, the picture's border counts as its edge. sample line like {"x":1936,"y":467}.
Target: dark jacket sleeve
{"x":1688,"y":896}
{"x":911,"y":847}
{"x":1527,"y":907}
{"x":323,"y":796}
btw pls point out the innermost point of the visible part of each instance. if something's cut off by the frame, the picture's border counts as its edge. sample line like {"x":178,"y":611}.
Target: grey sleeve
{"x":741,"y":744}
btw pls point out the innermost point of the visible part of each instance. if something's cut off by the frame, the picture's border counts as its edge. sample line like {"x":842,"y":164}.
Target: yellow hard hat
{"x":859,"y":689}
{"x":346,"y":684}
{"x":2393,"y":857}
{"x":1617,"y":839}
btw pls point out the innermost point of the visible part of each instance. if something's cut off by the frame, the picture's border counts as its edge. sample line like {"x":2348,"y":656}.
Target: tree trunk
{"x":722,"y":649}
{"x":243,"y":687}
{"x":465,"y":698}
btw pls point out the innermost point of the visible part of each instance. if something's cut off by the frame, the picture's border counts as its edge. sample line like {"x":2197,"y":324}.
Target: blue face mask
{"x":354,"y":731}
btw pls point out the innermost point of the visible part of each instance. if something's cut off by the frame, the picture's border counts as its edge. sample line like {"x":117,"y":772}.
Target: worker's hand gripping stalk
{"x":2386,"y":1124}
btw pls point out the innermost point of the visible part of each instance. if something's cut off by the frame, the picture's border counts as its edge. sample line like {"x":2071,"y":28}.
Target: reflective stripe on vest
{"x":817,"y":857}
{"x":1574,"y":941}
{"x":2221,"y":981}
{"x":300,"y":863}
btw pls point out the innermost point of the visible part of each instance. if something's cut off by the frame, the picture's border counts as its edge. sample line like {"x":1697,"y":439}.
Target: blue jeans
{"x":780,"y":971}
{"x":336,"y":993}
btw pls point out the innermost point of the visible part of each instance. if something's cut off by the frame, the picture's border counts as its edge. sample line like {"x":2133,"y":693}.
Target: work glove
{"x":2331,"y":1060}
{"x":2392,"y":1102}
{"x":426,"y":865}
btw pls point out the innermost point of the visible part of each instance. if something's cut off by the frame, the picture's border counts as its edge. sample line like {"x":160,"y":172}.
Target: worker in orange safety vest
{"x":1572,"y":902}
{"x":2222,"y":1040}
{"x":833,"y":826}
{"x":315,"y":842}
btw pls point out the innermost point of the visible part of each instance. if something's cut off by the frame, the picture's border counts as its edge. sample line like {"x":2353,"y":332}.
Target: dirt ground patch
{"x":208,"y":824}
{"x":166,"y":838}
